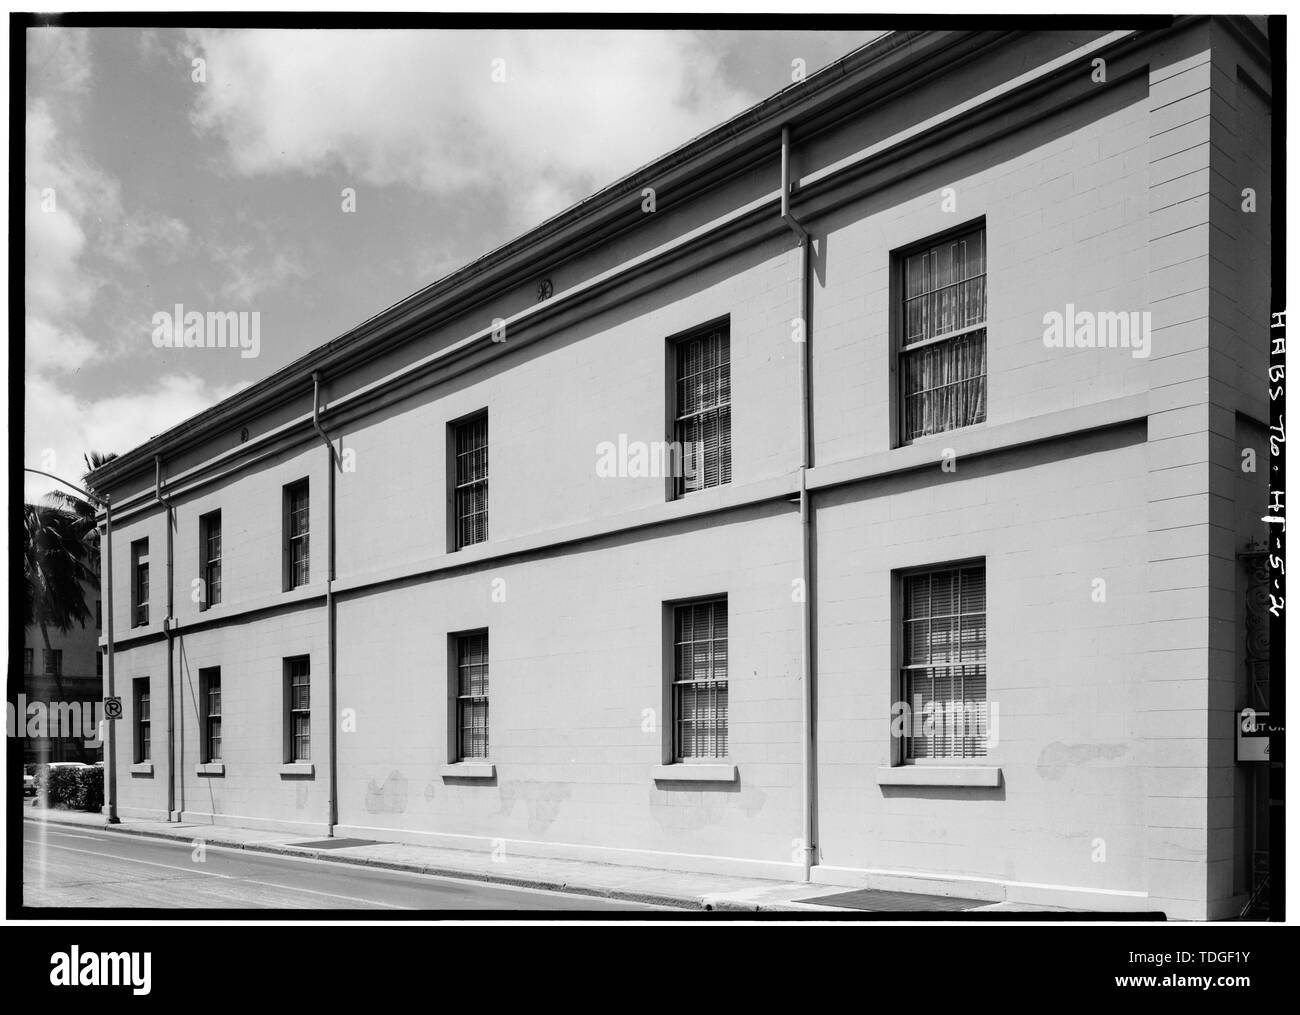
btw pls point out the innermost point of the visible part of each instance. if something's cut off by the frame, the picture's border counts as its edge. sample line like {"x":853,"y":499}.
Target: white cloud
{"x":77,"y":228}
{"x":62,"y":191}
{"x":58,"y":60}
{"x":60,"y":427}
{"x":576,"y":111}
{"x":262,"y":262}
{"x":49,"y":347}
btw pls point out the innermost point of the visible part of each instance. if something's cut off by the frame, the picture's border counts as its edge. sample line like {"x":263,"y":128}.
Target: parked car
{"x":29,"y":780}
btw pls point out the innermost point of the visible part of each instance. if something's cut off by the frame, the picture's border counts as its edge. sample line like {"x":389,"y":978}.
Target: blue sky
{"x":146,"y":188}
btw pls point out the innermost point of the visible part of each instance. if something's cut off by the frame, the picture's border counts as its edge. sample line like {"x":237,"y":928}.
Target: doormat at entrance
{"x":873,"y":901}
{"x":334,"y":843}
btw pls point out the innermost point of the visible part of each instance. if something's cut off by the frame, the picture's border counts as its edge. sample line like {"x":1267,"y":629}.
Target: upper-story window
{"x":702,"y":407}
{"x":53,"y":662}
{"x":140,"y":583}
{"x":469,"y":444}
{"x":297,"y":547}
{"x":942,"y":357}
{"x":210,"y":558}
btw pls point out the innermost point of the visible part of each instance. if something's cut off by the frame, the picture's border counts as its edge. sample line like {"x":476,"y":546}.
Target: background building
{"x":70,"y":671}
{"x":531,"y":638}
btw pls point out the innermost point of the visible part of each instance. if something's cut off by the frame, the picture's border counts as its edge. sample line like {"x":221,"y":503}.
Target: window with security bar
{"x":471,"y":696}
{"x":143,"y":722}
{"x":470,"y":446}
{"x":702,"y":408}
{"x":700,"y":680}
{"x":210,"y":696}
{"x":298,"y":534}
{"x":140,"y":583}
{"x":942,"y":359}
{"x":210,"y":539}
{"x":298,"y":699}
{"x":943,"y":679}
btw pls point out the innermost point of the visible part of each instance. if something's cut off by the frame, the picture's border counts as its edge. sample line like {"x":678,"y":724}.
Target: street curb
{"x":687,"y":902}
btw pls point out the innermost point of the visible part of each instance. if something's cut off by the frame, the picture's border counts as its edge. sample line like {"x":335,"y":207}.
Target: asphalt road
{"x":87,"y":867}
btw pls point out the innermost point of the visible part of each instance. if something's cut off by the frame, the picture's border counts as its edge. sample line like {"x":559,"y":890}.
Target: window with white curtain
{"x":942,"y":360}
{"x":702,"y":416}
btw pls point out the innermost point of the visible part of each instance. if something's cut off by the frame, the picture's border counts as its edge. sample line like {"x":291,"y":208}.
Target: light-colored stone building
{"x":901,"y":481}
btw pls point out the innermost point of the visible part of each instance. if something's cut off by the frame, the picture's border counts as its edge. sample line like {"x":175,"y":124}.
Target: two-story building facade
{"x":853,"y":494}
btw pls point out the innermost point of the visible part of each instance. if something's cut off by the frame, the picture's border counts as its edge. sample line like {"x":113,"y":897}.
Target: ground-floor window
{"x":143,"y":726}
{"x":700,"y":679}
{"x":210,"y":702}
{"x":943,"y":680}
{"x":471,"y":696}
{"x":298,"y":707}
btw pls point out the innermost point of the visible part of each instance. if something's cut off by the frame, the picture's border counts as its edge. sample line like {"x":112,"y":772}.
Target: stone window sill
{"x":469,"y":770}
{"x":297,"y":769}
{"x":985,"y":776}
{"x":210,"y":768}
{"x":682,"y":772}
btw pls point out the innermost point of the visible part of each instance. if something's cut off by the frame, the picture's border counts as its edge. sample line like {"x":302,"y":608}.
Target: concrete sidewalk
{"x":673,"y":889}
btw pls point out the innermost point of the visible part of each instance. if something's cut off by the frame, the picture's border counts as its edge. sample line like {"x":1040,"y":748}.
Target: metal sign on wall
{"x":1253,"y":731}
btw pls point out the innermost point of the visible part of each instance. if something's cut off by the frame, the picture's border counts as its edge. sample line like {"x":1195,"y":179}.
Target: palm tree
{"x":60,"y":558}
{"x":84,"y":509}
{"x":55,"y":572}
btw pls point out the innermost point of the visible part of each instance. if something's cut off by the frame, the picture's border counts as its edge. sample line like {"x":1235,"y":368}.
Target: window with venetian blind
{"x":699,"y":687}
{"x":210,"y":558}
{"x":210,"y":703}
{"x":944,"y":641}
{"x":297,"y":508}
{"x":140,"y":583}
{"x":470,"y":497}
{"x":471,"y":679}
{"x":297,"y":686}
{"x":702,"y":407}
{"x":143,"y":721}
{"x":942,"y":358}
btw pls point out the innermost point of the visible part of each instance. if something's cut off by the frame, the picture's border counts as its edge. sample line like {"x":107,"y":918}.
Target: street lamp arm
{"x":97,"y":498}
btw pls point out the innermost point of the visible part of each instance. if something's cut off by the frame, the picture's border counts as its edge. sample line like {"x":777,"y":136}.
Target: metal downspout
{"x":169,"y":624}
{"x":805,"y":519}
{"x":332,"y":692}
